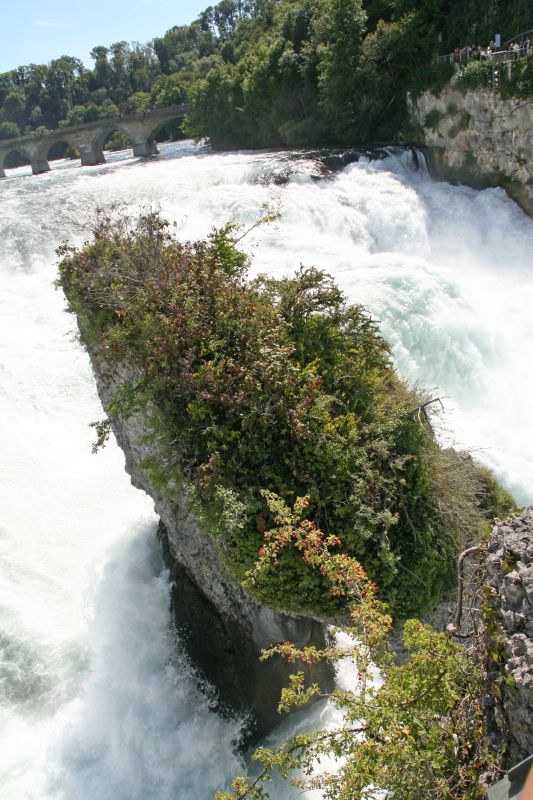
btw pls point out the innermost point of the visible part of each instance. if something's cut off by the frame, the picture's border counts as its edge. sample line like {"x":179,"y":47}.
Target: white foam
{"x":94,"y":704}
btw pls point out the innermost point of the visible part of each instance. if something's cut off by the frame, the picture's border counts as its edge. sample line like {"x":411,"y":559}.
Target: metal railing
{"x":465,"y":57}
{"x":520,"y":38}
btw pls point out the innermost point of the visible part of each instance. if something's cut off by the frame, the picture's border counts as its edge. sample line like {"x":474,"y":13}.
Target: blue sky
{"x":36,"y":31}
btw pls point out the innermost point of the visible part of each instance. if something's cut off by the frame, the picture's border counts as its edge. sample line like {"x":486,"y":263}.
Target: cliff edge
{"x":510,"y":635}
{"x":222,"y":627}
{"x":479,"y":139}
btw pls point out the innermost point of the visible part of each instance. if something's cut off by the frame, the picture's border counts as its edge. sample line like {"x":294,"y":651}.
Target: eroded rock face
{"x":510,"y":574}
{"x":221,"y":625}
{"x":478,"y":139}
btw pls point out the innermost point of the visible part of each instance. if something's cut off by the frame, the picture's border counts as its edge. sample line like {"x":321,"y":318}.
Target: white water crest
{"x":96,"y":700}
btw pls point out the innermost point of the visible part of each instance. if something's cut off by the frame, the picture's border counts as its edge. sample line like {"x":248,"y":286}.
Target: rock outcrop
{"x":510,"y":575}
{"x":221,"y":625}
{"x":479,"y":139}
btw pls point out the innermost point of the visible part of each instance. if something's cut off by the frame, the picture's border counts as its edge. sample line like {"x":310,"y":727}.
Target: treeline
{"x":265,"y":72}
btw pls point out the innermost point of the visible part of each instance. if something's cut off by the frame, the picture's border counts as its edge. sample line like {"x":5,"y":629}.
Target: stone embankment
{"x":222,"y":627}
{"x":478,"y":139}
{"x":510,"y":576}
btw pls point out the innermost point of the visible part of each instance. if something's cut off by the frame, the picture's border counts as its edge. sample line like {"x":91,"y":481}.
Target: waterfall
{"x":96,"y":699}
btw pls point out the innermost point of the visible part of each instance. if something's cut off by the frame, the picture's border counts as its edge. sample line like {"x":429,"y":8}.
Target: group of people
{"x":478,"y":53}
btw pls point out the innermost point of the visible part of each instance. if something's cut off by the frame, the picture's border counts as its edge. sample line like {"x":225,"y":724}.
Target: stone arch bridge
{"x":89,"y":138}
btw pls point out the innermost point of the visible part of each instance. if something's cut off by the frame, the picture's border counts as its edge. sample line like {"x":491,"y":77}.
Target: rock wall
{"x":510,"y":575}
{"x":478,"y":139}
{"x":221,"y":625}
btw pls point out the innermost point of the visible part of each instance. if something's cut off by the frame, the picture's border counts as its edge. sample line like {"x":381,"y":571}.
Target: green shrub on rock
{"x":471,"y":75}
{"x":278,"y":386}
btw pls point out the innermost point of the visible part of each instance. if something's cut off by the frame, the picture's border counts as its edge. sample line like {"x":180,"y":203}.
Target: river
{"x":96,"y":701}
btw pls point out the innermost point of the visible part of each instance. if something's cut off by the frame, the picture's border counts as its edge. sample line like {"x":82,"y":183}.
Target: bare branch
{"x":453,"y":628}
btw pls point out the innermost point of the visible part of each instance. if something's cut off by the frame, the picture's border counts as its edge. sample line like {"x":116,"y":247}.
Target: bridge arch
{"x":105,"y":133}
{"x":15,"y":157}
{"x":53,"y":150}
{"x":61,"y":148}
{"x":166,"y":129}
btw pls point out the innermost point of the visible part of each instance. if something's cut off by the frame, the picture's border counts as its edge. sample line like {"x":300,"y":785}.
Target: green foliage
{"x":218,"y":108}
{"x":273,"y":385}
{"x":168,"y":90}
{"x":118,"y":141}
{"x":495,"y":502}
{"x":419,"y":734}
{"x":471,"y":75}
{"x":9,"y":130}
{"x":391,"y":56}
{"x":139,"y":102}
{"x":275,"y":72}
{"x":103,"y":432}
{"x":338,"y":31}
{"x":521,"y":83}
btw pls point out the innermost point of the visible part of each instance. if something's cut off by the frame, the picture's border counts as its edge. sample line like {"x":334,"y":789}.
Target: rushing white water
{"x":94,"y":700}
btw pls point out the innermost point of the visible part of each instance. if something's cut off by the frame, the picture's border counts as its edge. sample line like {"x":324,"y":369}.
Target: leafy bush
{"x":274,"y":385}
{"x":471,"y":75}
{"x":9,"y":130}
{"x":521,"y":83}
{"x":420,"y":733}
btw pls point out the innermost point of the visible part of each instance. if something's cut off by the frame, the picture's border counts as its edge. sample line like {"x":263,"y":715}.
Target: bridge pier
{"x":91,"y":156}
{"x":2,"y":172}
{"x":145,"y":149}
{"x":39,"y":165}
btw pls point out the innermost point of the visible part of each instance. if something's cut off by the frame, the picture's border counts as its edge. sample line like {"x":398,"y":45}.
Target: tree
{"x":138,"y":102}
{"x":61,"y":83}
{"x":101,"y":75}
{"x":168,"y":90}
{"x":9,"y":130}
{"x":36,"y":117}
{"x":142,"y":66}
{"x":218,"y":107}
{"x":14,"y":108}
{"x":339,"y":26}
{"x":120,"y":79}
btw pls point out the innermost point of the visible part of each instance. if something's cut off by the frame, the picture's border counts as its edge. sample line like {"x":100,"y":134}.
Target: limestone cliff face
{"x":510,"y":574}
{"x":222,"y":626}
{"x":478,"y":139}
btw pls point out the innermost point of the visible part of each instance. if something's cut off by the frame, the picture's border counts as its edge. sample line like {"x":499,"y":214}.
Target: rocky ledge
{"x":220,"y":624}
{"x":510,"y":575}
{"x":479,"y":139}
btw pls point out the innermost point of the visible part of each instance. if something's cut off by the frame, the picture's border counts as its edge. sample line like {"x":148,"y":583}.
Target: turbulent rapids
{"x":95,"y":700}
